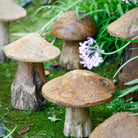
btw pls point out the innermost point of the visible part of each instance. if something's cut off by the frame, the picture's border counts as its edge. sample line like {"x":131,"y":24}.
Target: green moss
{"x":42,"y":126}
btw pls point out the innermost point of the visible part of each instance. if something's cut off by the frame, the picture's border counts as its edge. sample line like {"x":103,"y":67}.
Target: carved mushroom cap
{"x":79,"y":88}
{"x":69,"y":27}
{"x":10,"y":11}
{"x":123,"y":27}
{"x":120,"y":125}
{"x":32,"y":48}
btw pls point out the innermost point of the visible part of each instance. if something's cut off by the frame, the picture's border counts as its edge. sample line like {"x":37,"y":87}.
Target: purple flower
{"x":83,"y":48}
{"x":127,"y":1}
{"x":96,"y":60}
{"x":90,"y":41}
{"x":89,"y":53}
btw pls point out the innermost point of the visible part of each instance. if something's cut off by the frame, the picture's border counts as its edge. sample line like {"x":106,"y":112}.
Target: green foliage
{"x":103,"y":13}
{"x":9,"y":132}
{"x":132,"y":106}
{"x":124,"y":65}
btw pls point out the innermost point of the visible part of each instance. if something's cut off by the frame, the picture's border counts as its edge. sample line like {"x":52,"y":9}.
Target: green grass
{"x":42,"y":126}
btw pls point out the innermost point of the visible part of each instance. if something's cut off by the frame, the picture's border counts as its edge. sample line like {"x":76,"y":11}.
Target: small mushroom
{"x":31,"y":50}
{"x":120,"y":125}
{"x":125,"y":29}
{"x":78,"y":90}
{"x":9,"y":11}
{"x":72,"y":30}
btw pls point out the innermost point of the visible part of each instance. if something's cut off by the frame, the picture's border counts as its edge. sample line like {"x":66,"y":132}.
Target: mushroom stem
{"x":69,"y":58}
{"x":129,"y":72}
{"x":26,"y":87}
{"x":4,"y":39}
{"x":77,"y":122}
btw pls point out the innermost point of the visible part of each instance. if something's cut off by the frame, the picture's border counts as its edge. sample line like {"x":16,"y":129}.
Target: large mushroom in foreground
{"x":9,"y":11}
{"x":72,"y":30}
{"x":119,"y":125}
{"x":125,"y":28}
{"x":31,"y":50}
{"x":78,"y":90}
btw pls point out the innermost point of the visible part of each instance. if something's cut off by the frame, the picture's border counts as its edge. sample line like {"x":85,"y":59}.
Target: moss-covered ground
{"x":41,"y":126}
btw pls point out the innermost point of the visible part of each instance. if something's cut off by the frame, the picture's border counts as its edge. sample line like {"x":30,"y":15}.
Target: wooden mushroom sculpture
{"x":120,"y":125}
{"x":72,"y":30}
{"x":78,"y":90}
{"x":125,"y":28}
{"x":31,"y":50}
{"x":9,"y":11}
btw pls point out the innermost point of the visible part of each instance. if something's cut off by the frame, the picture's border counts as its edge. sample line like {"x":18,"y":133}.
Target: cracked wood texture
{"x":69,"y":58}
{"x":4,"y":40}
{"x":26,"y":87}
{"x":77,"y":122}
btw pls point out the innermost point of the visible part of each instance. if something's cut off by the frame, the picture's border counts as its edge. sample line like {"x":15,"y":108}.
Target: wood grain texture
{"x":26,"y":87}
{"x":32,"y":48}
{"x":69,"y":58}
{"x":123,"y":27}
{"x":10,"y":11}
{"x":79,"y":88}
{"x":4,"y":40}
{"x":119,"y":125}
{"x":77,"y":122}
{"x":69,"y":27}
{"x":130,"y":71}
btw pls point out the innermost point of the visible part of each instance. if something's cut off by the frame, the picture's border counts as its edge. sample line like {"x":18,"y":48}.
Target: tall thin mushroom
{"x":31,"y":50}
{"x":125,"y":28}
{"x":78,"y":90}
{"x":9,"y":11}
{"x":72,"y":30}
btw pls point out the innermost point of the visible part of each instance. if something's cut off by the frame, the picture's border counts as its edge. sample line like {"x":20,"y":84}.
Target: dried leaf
{"x":24,"y":130}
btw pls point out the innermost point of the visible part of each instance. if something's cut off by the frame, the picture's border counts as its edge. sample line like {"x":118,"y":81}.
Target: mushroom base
{"x":4,"y":40}
{"x":130,"y":70}
{"x":69,"y":58}
{"x":77,"y":122}
{"x":26,"y":87}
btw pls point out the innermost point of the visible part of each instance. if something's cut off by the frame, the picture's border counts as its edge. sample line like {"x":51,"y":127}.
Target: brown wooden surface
{"x":77,"y":122}
{"x":69,"y":27}
{"x":4,"y":40}
{"x":32,"y":48}
{"x":130,"y":71}
{"x":119,"y":125}
{"x":79,"y":88}
{"x":69,"y":58}
{"x":123,"y":27}
{"x":26,"y":87}
{"x":10,"y":11}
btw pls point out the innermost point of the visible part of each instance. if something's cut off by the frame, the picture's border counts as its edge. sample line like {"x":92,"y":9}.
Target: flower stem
{"x":124,"y":65}
{"x":110,"y":53}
